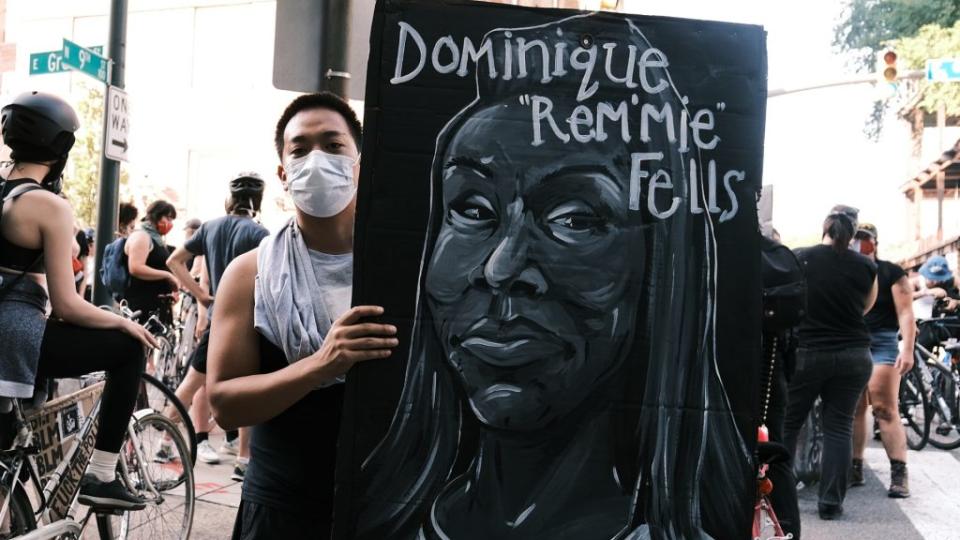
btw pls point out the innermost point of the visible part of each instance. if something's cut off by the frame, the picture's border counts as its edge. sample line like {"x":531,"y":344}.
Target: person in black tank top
{"x":286,"y":383}
{"x":36,"y":272}
{"x":833,"y":360}
{"x":892,"y":313}
{"x":150,"y":281}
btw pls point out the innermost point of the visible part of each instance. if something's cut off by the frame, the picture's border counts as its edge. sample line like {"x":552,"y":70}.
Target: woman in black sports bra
{"x":36,"y":246}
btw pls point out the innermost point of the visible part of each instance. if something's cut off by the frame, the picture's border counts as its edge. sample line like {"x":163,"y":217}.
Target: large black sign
{"x":557,"y":210}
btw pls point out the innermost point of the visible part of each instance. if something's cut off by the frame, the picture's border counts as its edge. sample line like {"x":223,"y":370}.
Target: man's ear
{"x":282,"y":175}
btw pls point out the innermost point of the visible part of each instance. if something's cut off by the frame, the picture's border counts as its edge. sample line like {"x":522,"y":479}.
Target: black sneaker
{"x":239,"y":471}
{"x":856,"y":473}
{"x":108,"y":495}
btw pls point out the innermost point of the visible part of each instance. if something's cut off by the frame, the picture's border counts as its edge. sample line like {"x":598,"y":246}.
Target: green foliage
{"x":917,"y":29}
{"x":82,"y":180}
{"x":932,"y":41}
{"x":865,"y":26}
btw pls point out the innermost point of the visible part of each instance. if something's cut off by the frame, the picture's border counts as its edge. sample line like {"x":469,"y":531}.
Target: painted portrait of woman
{"x":562,"y":379}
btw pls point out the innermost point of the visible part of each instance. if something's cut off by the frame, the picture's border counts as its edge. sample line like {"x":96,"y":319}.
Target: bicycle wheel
{"x":19,"y":518}
{"x":944,"y":421}
{"x":913,"y":410}
{"x":168,"y":487}
{"x":157,"y":396}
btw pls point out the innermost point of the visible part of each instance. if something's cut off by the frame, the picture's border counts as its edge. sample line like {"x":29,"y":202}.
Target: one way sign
{"x":118,"y":124}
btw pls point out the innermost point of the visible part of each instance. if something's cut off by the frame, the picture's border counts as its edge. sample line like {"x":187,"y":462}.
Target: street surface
{"x":931,"y":513}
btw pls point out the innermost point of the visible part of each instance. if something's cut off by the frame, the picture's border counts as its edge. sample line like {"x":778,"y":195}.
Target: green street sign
{"x":86,"y":61}
{"x":43,"y":63}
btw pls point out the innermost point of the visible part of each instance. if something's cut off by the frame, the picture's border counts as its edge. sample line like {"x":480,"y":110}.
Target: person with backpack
{"x":36,"y":236}
{"x":219,"y":242}
{"x":892,"y":312}
{"x":151,"y":284}
{"x":833,"y":358}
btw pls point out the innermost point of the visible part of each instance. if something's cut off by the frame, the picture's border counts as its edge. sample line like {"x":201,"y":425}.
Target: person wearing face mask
{"x":892,"y":312}
{"x":283,"y":333}
{"x":151,"y":283}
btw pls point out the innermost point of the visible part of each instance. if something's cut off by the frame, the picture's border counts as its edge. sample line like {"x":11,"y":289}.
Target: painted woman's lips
{"x":514,"y":351}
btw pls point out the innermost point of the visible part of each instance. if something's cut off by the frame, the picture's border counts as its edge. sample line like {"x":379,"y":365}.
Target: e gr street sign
{"x":86,"y":61}
{"x":118,"y":124}
{"x":943,"y":69}
{"x":42,"y":63}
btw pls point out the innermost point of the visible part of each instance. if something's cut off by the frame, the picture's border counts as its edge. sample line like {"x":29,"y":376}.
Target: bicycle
{"x":50,"y":451}
{"x":930,"y":393}
{"x":806,"y":464}
{"x":156,"y":395}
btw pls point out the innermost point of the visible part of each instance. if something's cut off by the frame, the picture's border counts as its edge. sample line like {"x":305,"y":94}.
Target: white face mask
{"x":321,"y":184}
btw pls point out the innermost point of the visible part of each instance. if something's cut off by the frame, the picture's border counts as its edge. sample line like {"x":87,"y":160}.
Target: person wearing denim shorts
{"x":833,"y":361}
{"x":892,"y":313}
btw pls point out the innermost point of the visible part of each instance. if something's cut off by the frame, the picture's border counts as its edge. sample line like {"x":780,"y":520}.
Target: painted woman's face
{"x":531,"y":276}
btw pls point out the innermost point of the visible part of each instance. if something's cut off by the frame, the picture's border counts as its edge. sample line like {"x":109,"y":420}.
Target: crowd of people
{"x":850,"y":350}
{"x":276,"y":332}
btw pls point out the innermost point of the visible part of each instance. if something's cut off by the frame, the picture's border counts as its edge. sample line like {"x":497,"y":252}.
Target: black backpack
{"x":784,"y":287}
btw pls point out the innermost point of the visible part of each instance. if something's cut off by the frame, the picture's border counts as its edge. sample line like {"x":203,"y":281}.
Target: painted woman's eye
{"x":473,"y":210}
{"x":573,"y":221}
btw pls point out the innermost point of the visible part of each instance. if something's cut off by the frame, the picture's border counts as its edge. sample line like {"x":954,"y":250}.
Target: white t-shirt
{"x":335,"y":278}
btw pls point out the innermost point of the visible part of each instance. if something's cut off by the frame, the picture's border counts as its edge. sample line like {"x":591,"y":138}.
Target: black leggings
{"x":71,"y":351}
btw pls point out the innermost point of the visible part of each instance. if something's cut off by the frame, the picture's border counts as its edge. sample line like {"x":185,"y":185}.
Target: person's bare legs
{"x":884,"y":388}
{"x":244,"y":443}
{"x":200,"y":410}
{"x":860,"y":427}
{"x":193,"y":381}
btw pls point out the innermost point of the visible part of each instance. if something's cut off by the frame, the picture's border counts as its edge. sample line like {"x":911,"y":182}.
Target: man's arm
{"x":177,"y":263}
{"x":239,"y":394}
{"x":871,"y":297}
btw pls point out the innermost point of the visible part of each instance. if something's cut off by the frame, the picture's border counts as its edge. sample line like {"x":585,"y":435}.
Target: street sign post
{"x":42,"y":63}
{"x":943,"y":69}
{"x":86,"y":61}
{"x":118,"y":124}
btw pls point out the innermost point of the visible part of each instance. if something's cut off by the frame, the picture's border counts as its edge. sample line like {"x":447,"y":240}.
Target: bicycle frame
{"x":59,"y":492}
{"x":927,"y":358}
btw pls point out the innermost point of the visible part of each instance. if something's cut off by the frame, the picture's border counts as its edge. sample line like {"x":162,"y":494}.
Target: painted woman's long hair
{"x":679,"y":455}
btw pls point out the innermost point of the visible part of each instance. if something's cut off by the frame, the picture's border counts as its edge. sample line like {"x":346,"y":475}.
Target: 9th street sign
{"x":42,"y":63}
{"x":86,"y":61}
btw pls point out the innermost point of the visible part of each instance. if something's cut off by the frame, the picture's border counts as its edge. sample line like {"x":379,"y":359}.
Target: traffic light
{"x":887,"y":65}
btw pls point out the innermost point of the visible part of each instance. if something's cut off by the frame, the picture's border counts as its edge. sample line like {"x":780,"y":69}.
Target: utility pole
{"x":109,"y":193}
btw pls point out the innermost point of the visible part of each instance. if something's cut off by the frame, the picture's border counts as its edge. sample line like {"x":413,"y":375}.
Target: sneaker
{"x":164,"y":454}
{"x":231,"y":448}
{"x":108,"y":495}
{"x":207,"y":454}
{"x":899,"y":485}
{"x":856,"y":473}
{"x":876,"y":430}
{"x":239,"y":470}
{"x":829,"y":512}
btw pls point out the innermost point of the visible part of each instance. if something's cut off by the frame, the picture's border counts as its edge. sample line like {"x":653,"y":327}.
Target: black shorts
{"x":199,"y":357}
{"x":259,"y":522}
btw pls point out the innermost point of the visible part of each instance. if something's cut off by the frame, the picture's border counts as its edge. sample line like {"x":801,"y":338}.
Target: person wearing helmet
{"x":36,"y":237}
{"x":219,"y":241}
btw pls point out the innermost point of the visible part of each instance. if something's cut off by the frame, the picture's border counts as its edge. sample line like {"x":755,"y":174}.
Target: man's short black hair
{"x":160,"y":209}
{"x":320,"y":100}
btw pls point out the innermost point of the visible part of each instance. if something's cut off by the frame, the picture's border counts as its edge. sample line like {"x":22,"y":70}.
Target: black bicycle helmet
{"x":39,"y":127}
{"x":246,"y":183}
